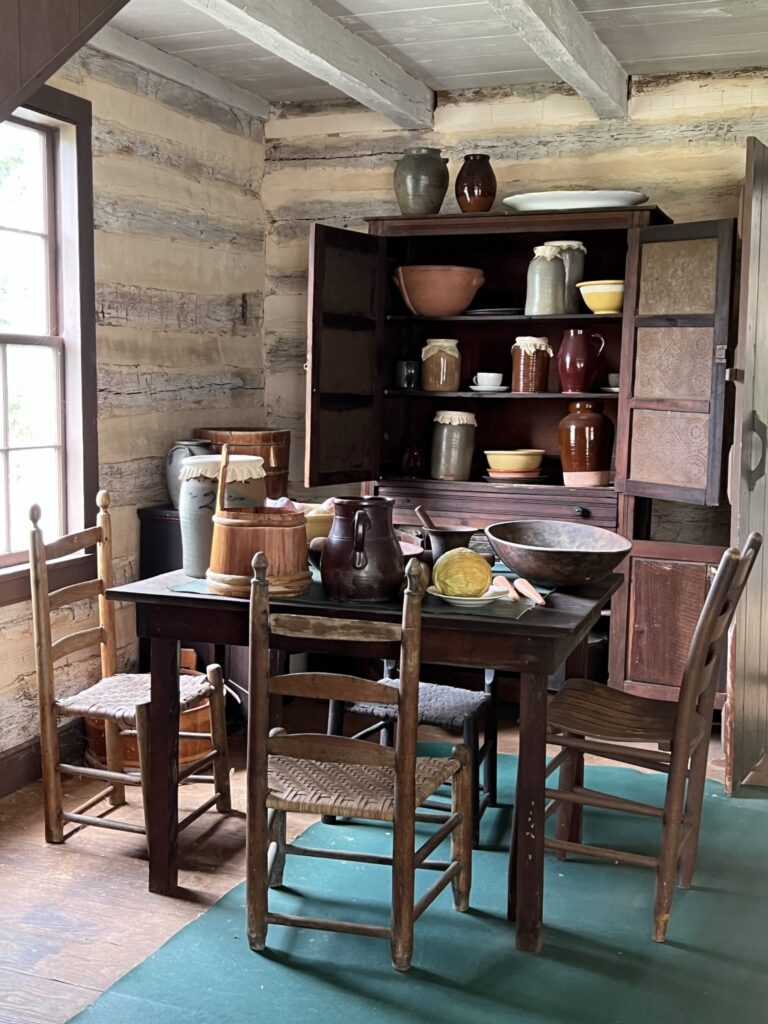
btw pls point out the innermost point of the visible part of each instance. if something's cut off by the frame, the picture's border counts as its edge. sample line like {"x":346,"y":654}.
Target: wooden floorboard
{"x":74,"y":918}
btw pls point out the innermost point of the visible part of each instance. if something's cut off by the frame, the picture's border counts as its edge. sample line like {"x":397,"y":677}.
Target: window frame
{"x":69,"y":118}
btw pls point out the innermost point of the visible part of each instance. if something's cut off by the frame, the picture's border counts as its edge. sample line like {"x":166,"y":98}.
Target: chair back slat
{"x":697,"y":691}
{"x":74,"y":642}
{"x":329,"y":686}
{"x":331,"y":749}
{"x":317,"y":627}
{"x":72,"y":543}
{"x":76,"y":592}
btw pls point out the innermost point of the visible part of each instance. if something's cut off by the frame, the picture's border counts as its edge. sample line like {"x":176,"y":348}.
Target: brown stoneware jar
{"x":585,"y":439}
{"x":476,"y":184}
{"x":530,"y":364}
{"x":362,"y":559}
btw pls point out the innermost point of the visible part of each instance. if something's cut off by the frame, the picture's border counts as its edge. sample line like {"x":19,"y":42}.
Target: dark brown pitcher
{"x":362,"y":559}
{"x":577,"y":360}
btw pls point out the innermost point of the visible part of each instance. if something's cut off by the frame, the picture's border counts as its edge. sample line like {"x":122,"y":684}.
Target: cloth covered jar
{"x":441,"y":365}
{"x":453,"y":445}
{"x":530,"y":364}
{"x":572,"y":254}
{"x":246,"y":488}
{"x":545,"y":287}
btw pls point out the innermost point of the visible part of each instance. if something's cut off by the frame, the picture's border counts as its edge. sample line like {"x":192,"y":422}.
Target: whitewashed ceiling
{"x":463,"y":44}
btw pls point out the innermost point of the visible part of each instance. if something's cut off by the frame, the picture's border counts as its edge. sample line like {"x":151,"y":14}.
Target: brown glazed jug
{"x":585,"y":439}
{"x":577,"y":360}
{"x":362,"y":559}
{"x":475,"y":184}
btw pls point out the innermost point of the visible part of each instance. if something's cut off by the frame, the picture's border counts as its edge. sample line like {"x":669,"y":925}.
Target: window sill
{"x":14,"y":581}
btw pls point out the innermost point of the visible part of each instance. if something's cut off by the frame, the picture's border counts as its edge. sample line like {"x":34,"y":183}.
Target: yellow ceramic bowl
{"x":516,"y":461}
{"x":603,"y":296}
{"x":318,"y":523}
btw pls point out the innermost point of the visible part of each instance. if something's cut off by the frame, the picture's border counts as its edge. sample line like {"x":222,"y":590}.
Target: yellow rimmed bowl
{"x":515,"y":460}
{"x":603,"y":296}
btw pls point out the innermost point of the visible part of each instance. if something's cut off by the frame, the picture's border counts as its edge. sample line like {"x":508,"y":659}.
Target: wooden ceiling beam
{"x":559,"y":34}
{"x":118,"y":44}
{"x":301,"y":34}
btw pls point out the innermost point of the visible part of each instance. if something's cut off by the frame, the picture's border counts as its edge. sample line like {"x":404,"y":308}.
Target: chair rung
{"x":374,"y":931}
{"x":436,"y":838}
{"x":622,"y":856}
{"x":101,"y":773}
{"x":96,"y":799}
{"x":363,"y":858}
{"x":591,"y":798}
{"x":198,"y":778}
{"x":616,"y":751}
{"x":195,"y":767}
{"x":194,"y":815}
{"x":434,"y":890}
{"x":196,"y":736}
{"x":117,"y":826}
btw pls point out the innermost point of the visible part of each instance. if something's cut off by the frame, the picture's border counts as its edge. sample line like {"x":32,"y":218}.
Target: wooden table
{"x":534,"y":645}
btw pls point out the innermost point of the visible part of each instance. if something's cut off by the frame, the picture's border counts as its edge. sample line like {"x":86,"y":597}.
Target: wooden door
{"x":674,"y":352}
{"x":746,"y":711}
{"x":345,"y":328}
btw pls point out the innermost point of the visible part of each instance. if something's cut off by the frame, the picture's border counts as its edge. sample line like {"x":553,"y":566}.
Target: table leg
{"x":526,"y":890}
{"x":163,"y":767}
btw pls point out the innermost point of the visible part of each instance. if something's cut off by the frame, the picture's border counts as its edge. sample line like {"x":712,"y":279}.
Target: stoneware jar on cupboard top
{"x":421,"y":181}
{"x":475,"y":184}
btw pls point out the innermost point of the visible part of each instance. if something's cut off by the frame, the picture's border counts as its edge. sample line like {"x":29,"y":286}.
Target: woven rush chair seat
{"x":349,"y":790}
{"x":586,"y":708}
{"x":443,"y":706}
{"x":116,"y":697}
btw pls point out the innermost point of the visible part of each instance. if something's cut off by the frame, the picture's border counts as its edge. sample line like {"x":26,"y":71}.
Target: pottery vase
{"x":585,"y":439}
{"x":421,"y":181}
{"x":573,"y":255}
{"x":577,"y":360}
{"x":178,"y":451}
{"x":362,"y":559}
{"x":475,"y":184}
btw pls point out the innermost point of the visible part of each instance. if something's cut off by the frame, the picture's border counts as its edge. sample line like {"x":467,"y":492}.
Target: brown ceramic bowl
{"x":557,"y":554}
{"x":436,"y":290}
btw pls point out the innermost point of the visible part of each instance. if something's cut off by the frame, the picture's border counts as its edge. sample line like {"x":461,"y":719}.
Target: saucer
{"x":495,"y":311}
{"x":610,"y":391}
{"x":517,"y":478}
{"x":488,"y":387}
{"x":492,"y":594}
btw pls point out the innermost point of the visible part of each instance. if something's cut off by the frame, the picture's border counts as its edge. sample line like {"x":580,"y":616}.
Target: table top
{"x":563,"y":614}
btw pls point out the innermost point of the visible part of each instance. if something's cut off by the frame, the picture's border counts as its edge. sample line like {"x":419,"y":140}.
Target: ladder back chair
{"x":121,"y":700}
{"x":590,"y":718}
{"x":474,"y":712}
{"x":352,"y":778}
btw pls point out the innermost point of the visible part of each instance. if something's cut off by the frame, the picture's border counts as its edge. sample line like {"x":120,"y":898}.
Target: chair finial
{"x":35,"y":513}
{"x":414,"y":577}
{"x":260,"y":565}
{"x":103,"y":499}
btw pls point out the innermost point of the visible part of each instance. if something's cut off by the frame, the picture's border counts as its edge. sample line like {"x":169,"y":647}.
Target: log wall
{"x":179,"y":285}
{"x":683,"y":145}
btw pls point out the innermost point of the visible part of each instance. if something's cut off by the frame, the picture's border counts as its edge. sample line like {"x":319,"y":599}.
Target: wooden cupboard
{"x":683,"y":380}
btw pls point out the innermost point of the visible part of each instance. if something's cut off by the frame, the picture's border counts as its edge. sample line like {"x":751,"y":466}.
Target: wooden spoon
{"x":424,"y":518}
{"x":527,"y":589}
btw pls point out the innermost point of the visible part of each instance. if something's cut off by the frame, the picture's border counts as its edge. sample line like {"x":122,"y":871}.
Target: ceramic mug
{"x":487,"y":380}
{"x":613,"y":380}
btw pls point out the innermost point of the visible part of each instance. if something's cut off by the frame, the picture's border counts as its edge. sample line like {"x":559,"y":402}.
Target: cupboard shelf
{"x":518,"y":317}
{"x":571,"y":397}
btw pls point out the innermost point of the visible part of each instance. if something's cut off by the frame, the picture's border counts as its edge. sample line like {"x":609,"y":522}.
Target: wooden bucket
{"x":239,"y":533}
{"x":274,"y":446}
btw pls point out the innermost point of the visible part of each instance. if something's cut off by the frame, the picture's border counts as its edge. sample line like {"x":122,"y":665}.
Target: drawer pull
{"x":579,"y":511}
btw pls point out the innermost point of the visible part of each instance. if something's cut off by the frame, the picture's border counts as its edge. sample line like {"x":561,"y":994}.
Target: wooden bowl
{"x":552,"y":553}
{"x":437,"y":290}
{"x":515,"y":460}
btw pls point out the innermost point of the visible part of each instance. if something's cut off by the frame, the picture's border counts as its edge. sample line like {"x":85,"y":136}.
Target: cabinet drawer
{"x":477,"y":504}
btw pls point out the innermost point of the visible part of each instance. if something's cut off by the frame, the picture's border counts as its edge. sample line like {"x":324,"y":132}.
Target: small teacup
{"x":613,"y":380}
{"x":487,"y":380}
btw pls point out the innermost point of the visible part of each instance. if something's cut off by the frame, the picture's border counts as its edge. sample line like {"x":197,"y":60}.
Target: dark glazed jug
{"x":577,"y":360}
{"x":362,"y":559}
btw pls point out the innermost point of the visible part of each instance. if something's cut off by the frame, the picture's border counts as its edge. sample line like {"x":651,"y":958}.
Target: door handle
{"x":761,"y":430}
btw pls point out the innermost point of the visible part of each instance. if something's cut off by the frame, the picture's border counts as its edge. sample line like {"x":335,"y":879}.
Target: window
{"x":47,"y":331}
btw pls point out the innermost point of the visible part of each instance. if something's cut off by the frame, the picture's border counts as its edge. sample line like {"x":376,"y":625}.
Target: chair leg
{"x":668,"y":854}
{"x":219,"y":737}
{"x":693,"y":803}
{"x":568,"y":818}
{"x":278,"y":836}
{"x":462,"y":837}
{"x":142,"y":741}
{"x":403,"y":893}
{"x":50,"y":756}
{"x":472,"y":744}
{"x":114,"y":744}
{"x":491,"y":733}
{"x":336,"y":714}
{"x":257,"y":878}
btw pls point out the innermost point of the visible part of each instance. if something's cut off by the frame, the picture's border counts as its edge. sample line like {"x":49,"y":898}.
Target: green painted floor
{"x":598,"y":965}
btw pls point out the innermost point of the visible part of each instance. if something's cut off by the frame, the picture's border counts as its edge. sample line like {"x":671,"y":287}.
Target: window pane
{"x":23,"y":284}
{"x":33,"y":395}
{"x":22,"y":178}
{"x":33,"y":478}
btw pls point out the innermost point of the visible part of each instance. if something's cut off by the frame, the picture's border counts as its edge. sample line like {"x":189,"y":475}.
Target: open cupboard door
{"x":346,"y":314}
{"x":677,"y":308}
{"x":745,"y":715}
